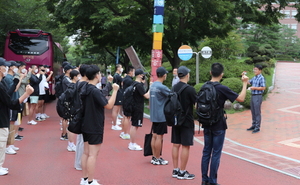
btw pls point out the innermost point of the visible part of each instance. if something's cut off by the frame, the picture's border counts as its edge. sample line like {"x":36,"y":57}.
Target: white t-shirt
{"x":43,"y":84}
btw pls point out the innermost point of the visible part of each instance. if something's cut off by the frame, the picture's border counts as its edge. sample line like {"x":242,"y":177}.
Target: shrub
{"x":247,"y":101}
{"x":198,"y":87}
{"x":266,"y":71}
{"x":234,"y":84}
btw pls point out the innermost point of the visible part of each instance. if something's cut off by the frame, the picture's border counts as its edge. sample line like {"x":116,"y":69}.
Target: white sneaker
{"x":43,"y":116}
{"x":122,"y":135}
{"x":119,"y":122}
{"x":83,"y":182}
{"x":14,"y":147}
{"x":94,"y":183}
{"x":46,"y":116}
{"x":10,"y":151}
{"x":3,"y":171}
{"x":32,"y":122}
{"x":134,"y":146}
{"x":4,"y":168}
{"x":116,"y":127}
{"x":125,"y":136}
{"x":71,"y":148}
{"x":119,"y":116}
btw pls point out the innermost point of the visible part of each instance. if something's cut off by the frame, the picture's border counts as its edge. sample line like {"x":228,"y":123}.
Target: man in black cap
{"x":158,"y":96}
{"x":138,"y":112}
{"x":183,"y":136}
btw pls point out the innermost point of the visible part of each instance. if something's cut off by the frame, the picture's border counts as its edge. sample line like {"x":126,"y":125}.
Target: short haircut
{"x":130,"y":68}
{"x":117,"y":66}
{"x":258,"y":66}
{"x":216,"y":69}
{"x":32,"y":66}
{"x":83,"y":68}
{"x":21,"y":63}
{"x":73,"y":73}
{"x":40,"y":66}
{"x":92,"y":71}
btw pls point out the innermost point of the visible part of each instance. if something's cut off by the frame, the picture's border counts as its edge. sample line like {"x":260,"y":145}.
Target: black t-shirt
{"x":118,"y":79}
{"x":127,"y":81}
{"x":93,"y":102}
{"x":138,"y":97}
{"x":224,"y":94}
{"x":188,"y":99}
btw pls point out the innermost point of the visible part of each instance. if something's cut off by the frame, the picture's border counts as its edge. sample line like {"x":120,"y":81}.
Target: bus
{"x":34,"y":47}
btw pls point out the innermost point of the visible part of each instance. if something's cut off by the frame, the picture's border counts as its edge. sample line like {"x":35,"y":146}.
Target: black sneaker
{"x":18,"y":138}
{"x":185,"y":175}
{"x":21,"y":129}
{"x":175,"y":173}
{"x":159,"y":161}
{"x":64,"y":137}
{"x":39,"y":119}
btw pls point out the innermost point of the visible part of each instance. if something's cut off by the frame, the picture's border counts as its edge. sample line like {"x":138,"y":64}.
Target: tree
{"x":26,"y":14}
{"x":112,"y":23}
{"x":226,"y":48}
{"x":289,"y":44}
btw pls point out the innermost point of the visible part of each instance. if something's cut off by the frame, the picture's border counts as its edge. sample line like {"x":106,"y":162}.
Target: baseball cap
{"x":161,"y":71}
{"x":183,"y":71}
{"x":139,"y":72}
{"x":68,"y":66}
{"x":13,"y":63}
{"x":3,"y":62}
{"x":65,"y":63}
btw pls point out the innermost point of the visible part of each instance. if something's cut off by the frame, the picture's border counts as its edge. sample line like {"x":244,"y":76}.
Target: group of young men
{"x":13,"y":93}
{"x":95,"y":101}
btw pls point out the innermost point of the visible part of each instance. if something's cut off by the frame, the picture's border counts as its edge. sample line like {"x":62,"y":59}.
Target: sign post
{"x":185,"y":52}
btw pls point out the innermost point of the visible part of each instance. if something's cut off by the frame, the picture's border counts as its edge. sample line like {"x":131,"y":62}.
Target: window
{"x":294,"y":26}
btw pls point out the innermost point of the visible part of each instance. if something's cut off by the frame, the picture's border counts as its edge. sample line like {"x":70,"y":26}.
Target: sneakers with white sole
{"x":10,"y":151}
{"x":94,"y":183}
{"x":125,"y":136}
{"x":116,"y":127}
{"x":45,"y":115}
{"x":71,"y":148}
{"x":83,"y":182}
{"x":32,"y":122}
{"x":134,"y":146}
{"x":159,"y":161}
{"x":3,"y":171}
{"x":14,"y":147}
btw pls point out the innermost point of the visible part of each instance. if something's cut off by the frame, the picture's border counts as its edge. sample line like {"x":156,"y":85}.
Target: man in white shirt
{"x":175,"y":77}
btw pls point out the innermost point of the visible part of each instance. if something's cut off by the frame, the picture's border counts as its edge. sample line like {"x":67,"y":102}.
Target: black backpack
{"x":69,"y":106}
{"x":128,"y":100}
{"x":208,"y":110}
{"x":174,"y":113}
{"x":58,"y":85}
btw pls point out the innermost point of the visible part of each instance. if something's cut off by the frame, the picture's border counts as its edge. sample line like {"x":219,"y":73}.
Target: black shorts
{"x":93,"y":139}
{"x":182,"y":135}
{"x":159,"y":128}
{"x":14,"y":115}
{"x":42,"y":97}
{"x":119,"y":98}
{"x":127,"y":114}
{"x":137,"y":117}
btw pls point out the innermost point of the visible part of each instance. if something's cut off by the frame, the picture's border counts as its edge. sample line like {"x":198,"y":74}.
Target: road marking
{"x":286,"y":109}
{"x":290,"y":142}
{"x":257,"y":163}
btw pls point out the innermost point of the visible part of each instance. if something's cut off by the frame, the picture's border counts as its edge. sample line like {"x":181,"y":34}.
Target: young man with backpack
{"x":214,"y":133}
{"x":94,"y":102}
{"x":137,"y":114}
{"x":182,"y":136}
{"x":158,"y":96}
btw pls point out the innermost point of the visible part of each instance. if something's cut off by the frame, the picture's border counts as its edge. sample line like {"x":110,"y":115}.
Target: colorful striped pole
{"x":157,"y":29}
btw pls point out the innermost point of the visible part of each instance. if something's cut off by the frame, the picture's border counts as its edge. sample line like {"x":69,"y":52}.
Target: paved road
{"x":269,"y":157}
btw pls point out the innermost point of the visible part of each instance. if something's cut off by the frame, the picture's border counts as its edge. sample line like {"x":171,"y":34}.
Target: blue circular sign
{"x":185,"y":52}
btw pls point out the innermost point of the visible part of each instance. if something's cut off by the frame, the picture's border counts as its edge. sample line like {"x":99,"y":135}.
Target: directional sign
{"x":185,"y":52}
{"x":206,"y":52}
{"x":157,"y":53}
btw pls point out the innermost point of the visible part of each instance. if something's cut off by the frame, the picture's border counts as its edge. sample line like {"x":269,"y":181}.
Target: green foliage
{"x":284,"y":57}
{"x":247,"y":101}
{"x":234,"y":84}
{"x":198,"y":87}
